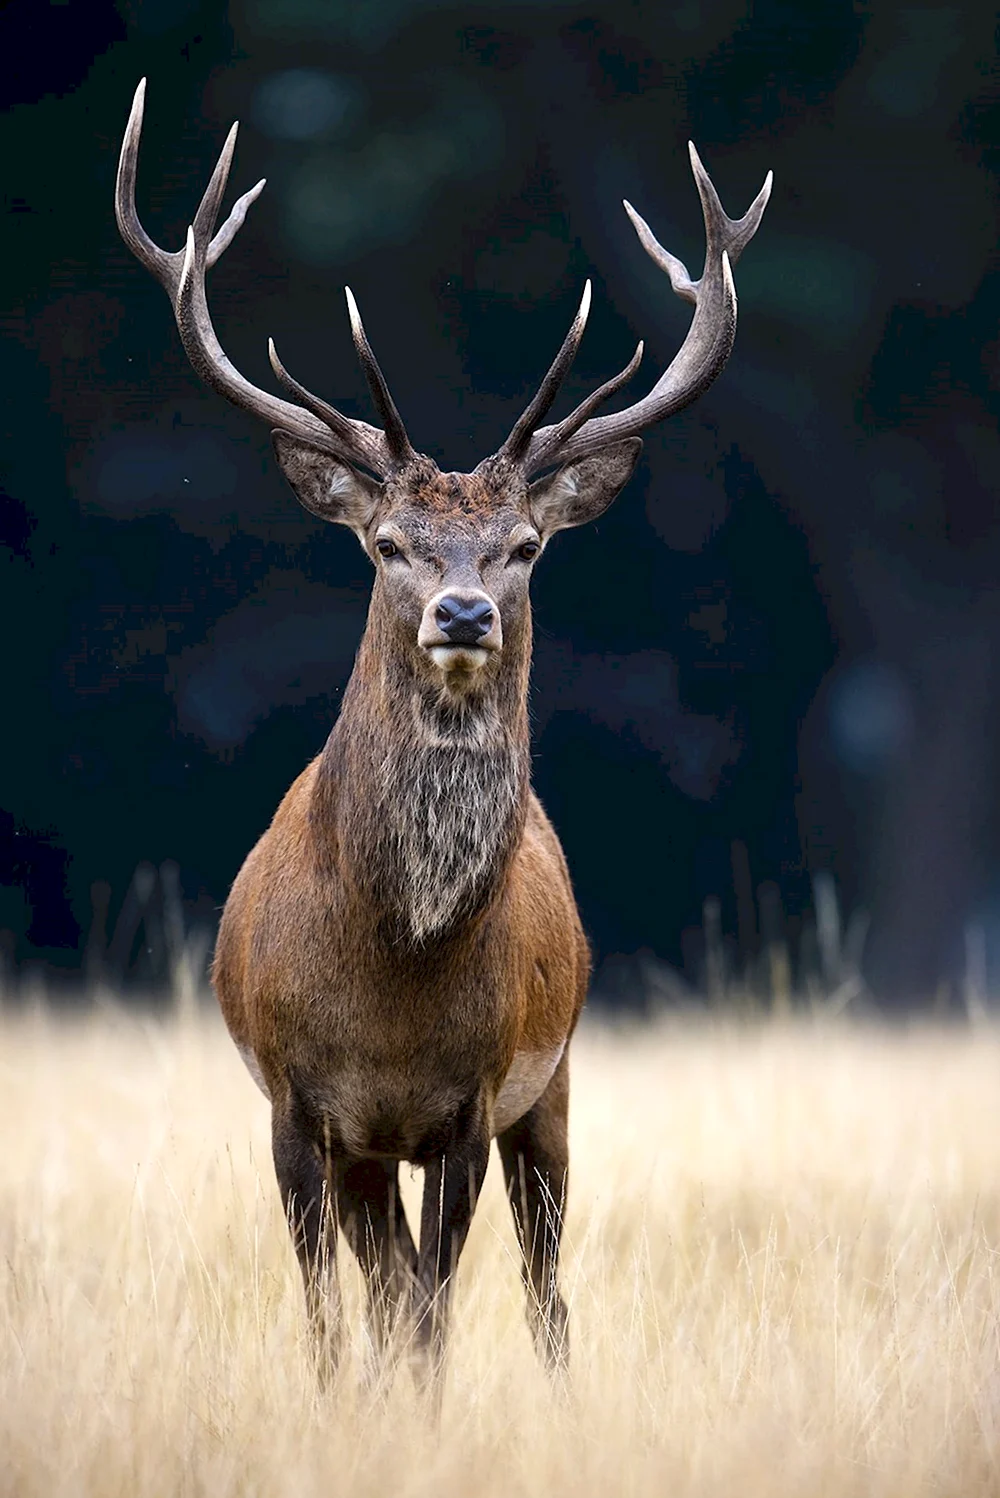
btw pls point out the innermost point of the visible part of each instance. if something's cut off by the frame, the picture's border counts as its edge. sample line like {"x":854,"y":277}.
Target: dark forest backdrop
{"x":774,"y":657}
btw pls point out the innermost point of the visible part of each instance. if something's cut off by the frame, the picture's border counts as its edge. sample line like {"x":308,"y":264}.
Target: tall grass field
{"x":782,"y":1259}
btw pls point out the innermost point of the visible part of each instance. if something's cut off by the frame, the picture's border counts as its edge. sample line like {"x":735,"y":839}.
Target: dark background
{"x":772,"y":659}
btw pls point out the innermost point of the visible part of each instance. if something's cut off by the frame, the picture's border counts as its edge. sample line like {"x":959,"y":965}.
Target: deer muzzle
{"x":460,"y":630}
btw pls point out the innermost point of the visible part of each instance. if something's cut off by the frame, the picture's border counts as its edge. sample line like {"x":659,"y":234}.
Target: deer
{"x":400,"y":962}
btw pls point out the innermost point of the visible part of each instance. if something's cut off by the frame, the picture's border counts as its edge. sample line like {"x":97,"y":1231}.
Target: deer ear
{"x":325,"y":486}
{"x":583,"y":490}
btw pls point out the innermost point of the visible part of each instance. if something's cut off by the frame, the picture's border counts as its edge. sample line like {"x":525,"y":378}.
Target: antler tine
{"x":575,"y":420}
{"x":675,"y":269}
{"x":182,"y":274}
{"x":208,"y":208}
{"x":517,"y":443}
{"x":395,"y":433}
{"x":211,"y":199}
{"x":164,"y":264}
{"x":342,"y":426}
{"x":703,"y":354}
{"x":722,"y":232}
{"x":234,"y":223}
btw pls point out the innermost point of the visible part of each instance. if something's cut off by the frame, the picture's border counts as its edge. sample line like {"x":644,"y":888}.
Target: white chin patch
{"x":458,"y":657}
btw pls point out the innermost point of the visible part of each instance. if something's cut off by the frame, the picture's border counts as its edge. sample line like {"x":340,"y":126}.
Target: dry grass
{"x":782,"y":1260}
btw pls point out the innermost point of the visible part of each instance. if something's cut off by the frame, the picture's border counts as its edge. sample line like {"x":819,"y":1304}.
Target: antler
{"x":701,"y":358}
{"x":182,"y":275}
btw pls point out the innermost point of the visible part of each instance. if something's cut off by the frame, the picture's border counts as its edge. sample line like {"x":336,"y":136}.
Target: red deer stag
{"x":400,"y":961}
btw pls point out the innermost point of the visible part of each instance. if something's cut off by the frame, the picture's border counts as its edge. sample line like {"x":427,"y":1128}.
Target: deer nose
{"x":464,"y":621}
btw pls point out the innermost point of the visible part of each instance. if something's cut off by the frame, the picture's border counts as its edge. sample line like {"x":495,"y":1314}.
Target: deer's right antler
{"x":182,"y":275}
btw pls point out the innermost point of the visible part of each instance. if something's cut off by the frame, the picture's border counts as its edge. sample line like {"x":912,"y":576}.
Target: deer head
{"x":453,"y":552}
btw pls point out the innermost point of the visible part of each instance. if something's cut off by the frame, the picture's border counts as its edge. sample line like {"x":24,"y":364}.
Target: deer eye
{"x":386,"y":548}
{"x":528,"y":551}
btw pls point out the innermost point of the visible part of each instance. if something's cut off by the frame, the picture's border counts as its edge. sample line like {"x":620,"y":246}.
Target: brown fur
{"x":319,"y":976}
{"x":456,"y":494}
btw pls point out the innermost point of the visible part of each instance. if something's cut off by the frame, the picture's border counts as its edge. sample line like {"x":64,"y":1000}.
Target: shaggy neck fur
{"x":428,"y":792}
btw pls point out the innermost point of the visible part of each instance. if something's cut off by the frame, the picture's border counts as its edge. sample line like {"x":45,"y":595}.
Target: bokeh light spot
{"x":871,"y":716}
{"x":304,"y":104}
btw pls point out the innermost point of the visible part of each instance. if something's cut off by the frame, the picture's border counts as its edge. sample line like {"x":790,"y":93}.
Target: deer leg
{"x":374,"y":1223}
{"x":535,"y":1155}
{"x":453,"y":1180}
{"x":305,"y":1194}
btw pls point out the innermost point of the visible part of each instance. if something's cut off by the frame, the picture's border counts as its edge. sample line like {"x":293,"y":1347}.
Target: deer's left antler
{"x":701,"y":357}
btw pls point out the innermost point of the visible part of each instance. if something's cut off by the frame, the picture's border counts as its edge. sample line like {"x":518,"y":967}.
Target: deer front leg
{"x":452,"y":1183}
{"x":372,"y":1216}
{"x":535,"y":1155}
{"x":305,"y":1195}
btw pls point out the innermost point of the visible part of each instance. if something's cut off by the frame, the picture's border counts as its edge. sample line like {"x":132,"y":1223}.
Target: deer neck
{"x":422,"y":796}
